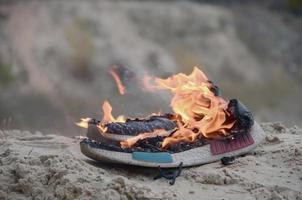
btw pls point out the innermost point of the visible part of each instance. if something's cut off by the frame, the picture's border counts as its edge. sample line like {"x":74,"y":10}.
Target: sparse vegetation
{"x":6,"y":76}
{"x":295,"y":5}
{"x":268,"y":95}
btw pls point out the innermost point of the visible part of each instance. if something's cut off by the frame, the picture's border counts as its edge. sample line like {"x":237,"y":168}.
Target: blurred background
{"x":55,"y":57}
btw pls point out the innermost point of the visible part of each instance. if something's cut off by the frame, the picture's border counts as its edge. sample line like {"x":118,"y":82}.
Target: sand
{"x":37,"y":166}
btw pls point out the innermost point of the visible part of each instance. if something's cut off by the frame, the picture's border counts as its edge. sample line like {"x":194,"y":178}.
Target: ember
{"x":200,"y":115}
{"x":118,"y":81}
{"x":121,"y":75}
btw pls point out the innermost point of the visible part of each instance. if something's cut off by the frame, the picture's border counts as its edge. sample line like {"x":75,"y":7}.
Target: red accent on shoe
{"x":224,"y":146}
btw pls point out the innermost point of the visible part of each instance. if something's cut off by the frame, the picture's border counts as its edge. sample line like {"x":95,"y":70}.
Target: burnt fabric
{"x":244,"y":117}
{"x":137,"y":126}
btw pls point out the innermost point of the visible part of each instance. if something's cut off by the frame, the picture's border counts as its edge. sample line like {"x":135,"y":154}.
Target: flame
{"x":198,"y":112}
{"x":199,"y":108}
{"x":119,"y":83}
{"x":107,"y":114}
{"x":131,"y":141}
{"x":84,"y":122}
{"x":107,"y":118}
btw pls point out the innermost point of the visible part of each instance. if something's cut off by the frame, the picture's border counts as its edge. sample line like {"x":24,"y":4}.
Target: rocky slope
{"x":55,"y":56}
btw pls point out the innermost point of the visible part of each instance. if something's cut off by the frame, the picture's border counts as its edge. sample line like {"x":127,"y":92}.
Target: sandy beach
{"x":37,"y":166}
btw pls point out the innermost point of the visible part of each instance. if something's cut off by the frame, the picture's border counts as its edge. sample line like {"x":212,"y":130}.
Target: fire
{"x":202,"y":113}
{"x":197,"y":110}
{"x":107,"y":114}
{"x":84,"y":122}
{"x":119,"y":83}
{"x":107,"y":118}
{"x":131,"y":141}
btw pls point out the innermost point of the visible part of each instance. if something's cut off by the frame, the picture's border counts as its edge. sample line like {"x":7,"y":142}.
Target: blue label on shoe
{"x":162,"y":157}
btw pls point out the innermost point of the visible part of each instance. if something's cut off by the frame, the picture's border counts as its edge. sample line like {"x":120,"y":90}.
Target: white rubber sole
{"x":192,"y":157}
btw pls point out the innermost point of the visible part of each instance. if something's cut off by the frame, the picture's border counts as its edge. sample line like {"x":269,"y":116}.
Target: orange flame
{"x":107,"y":114}
{"x":198,"y":107}
{"x":118,"y":81}
{"x":131,"y":141}
{"x":198,"y":112}
{"x":84,"y":122}
{"x":107,"y":118}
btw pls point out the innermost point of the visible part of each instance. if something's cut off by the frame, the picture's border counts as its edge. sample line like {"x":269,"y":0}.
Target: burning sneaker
{"x":203,"y":128}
